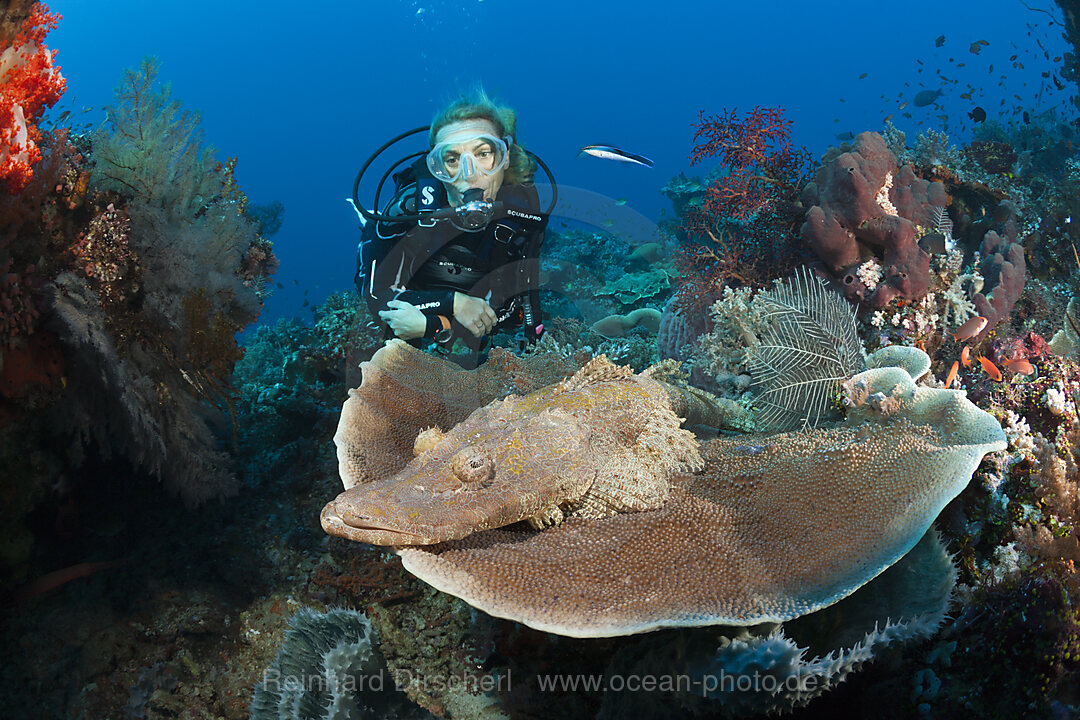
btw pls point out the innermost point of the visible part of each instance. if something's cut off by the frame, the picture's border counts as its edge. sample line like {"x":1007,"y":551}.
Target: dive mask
{"x":465,"y":157}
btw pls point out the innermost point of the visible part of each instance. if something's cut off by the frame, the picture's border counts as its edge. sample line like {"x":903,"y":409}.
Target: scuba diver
{"x":455,"y":253}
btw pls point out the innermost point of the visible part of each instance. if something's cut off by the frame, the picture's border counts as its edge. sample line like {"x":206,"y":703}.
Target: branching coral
{"x":151,"y":149}
{"x":748,"y":214}
{"x":762,"y":163}
{"x":29,"y":83}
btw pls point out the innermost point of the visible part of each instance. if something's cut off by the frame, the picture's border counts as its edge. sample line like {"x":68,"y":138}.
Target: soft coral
{"x":29,"y":83}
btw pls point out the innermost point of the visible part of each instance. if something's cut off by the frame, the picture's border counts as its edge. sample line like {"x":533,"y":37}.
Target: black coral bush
{"x":155,"y":363}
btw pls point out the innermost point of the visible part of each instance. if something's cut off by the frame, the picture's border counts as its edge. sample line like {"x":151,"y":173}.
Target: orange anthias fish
{"x":1021,"y":366}
{"x":965,"y":356}
{"x":971,"y":328}
{"x":990,"y":369}
{"x":951,"y":377}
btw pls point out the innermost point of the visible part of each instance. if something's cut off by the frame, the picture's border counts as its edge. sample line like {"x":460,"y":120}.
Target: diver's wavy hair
{"x":477,"y":104}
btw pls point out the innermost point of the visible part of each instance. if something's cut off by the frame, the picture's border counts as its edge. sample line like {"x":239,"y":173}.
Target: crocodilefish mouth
{"x":370,"y":530}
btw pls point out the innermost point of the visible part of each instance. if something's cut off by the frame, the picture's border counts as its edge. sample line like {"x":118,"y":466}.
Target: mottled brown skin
{"x":601,"y":442}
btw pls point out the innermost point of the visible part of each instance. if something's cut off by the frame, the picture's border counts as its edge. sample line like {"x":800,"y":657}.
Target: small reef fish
{"x":926,"y":97}
{"x":53,"y":580}
{"x":977,"y":114}
{"x":965,"y":356}
{"x":607,"y":152}
{"x":1021,"y":366}
{"x":940,"y":41}
{"x":951,"y":378}
{"x":990,"y":369}
{"x":970,"y":329}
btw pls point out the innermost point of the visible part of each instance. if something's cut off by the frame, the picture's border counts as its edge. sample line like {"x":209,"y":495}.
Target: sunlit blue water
{"x":302,"y":93}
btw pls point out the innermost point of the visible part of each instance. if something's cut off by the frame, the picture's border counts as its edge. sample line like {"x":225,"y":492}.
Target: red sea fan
{"x":29,"y":83}
{"x":763,"y":166}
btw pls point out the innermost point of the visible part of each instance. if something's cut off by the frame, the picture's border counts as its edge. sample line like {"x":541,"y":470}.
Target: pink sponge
{"x":864,"y":207}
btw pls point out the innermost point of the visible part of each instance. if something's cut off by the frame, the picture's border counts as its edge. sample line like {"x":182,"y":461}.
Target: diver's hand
{"x":474,"y":313}
{"x":404,"y":319}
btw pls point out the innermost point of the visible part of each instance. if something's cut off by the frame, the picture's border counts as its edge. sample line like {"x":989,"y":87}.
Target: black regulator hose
{"x":356,"y":185}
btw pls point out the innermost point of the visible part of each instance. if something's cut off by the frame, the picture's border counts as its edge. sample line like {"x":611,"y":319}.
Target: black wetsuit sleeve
{"x":386,"y":262}
{"x":382,"y":268}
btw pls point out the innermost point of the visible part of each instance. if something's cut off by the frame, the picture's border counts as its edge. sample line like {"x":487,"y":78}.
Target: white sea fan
{"x":809,"y":350}
{"x":940,"y":221}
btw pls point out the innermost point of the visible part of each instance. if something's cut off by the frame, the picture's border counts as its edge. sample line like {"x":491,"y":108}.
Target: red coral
{"x":763,"y":166}
{"x":748,"y":216}
{"x":29,"y":83}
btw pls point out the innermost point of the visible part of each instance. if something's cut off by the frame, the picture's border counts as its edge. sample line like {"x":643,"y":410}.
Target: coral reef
{"x":741,"y":230}
{"x":123,"y":286}
{"x":120,"y":314}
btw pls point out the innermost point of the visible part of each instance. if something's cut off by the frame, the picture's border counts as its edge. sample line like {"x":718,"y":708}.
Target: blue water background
{"x":302,"y":94}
